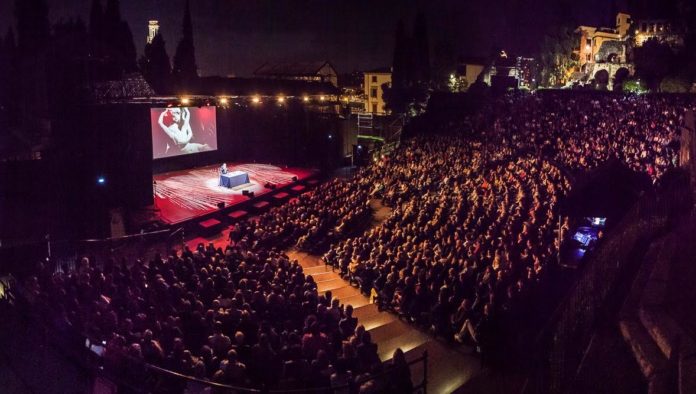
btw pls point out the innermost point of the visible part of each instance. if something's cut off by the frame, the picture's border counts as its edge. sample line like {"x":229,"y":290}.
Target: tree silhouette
{"x":421,"y":58}
{"x":185,"y":69}
{"x":8,"y":51}
{"x":96,"y":20}
{"x":155,"y":66}
{"x":112,"y":39}
{"x":400,"y":59}
{"x":111,"y":22}
{"x":33,"y":29}
{"x":126,"y":47}
{"x":654,"y":60}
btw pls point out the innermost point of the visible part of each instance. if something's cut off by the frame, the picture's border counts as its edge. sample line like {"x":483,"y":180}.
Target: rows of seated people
{"x":310,"y":221}
{"x":582,"y":131}
{"x":466,"y":248}
{"x":241,"y":316}
{"x":472,"y":232}
{"x":464,"y":237}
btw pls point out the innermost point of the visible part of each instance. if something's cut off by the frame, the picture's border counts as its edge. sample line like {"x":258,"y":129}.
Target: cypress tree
{"x":33,"y":29}
{"x":96,"y":20}
{"x":422,"y":50}
{"x":400,"y":59}
{"x":112,"y":22}
{"x":126,"y":47}
{"x":155,"y":64}
{"x":185,"y":68}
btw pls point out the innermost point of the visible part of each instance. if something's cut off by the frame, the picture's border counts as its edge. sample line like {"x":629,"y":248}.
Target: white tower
{"x":152,"y":29}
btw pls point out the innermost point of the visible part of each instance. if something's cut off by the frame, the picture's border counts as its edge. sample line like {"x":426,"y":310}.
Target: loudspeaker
{"x":294,"y":179}
{"x":221,"y":205}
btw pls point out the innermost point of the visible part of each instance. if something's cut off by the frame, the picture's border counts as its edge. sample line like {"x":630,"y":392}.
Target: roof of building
{"x":380,"y":70}
{"x":292,"y":69}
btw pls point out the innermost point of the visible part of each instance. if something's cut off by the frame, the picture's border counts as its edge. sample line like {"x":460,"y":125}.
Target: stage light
{"x":223,"y":100}
{"x":322,"y":98}
{"x":305,"y":99}
{"x":101,"y":180}
{"x":330,"y":136}
{"x":281,"y":99}
{"x":256,"y":99}
{"x":185,"y":101}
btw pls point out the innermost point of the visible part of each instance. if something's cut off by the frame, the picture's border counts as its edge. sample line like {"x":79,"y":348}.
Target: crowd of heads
{"x":240,"y":316}
{"x":310,"y":221}
{"x":582,"y":131}
{"x":466,"y":235}
{"x":465,"y":251}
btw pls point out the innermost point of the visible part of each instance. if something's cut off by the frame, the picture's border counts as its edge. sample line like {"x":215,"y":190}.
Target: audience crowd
{"x":240,"y":316}
{"x":465,"y":252}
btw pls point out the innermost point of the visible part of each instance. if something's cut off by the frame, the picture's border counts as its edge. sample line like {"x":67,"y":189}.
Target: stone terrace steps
{"x":449,"y":365}
{"x":453,"y":368}
{"x":651,"y":333}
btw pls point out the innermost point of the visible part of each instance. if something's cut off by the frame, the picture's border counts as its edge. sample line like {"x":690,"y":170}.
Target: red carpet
{"x":184,"y":195}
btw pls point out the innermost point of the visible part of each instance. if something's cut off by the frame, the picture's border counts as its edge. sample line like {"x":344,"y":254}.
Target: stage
{"x":184,"y":195}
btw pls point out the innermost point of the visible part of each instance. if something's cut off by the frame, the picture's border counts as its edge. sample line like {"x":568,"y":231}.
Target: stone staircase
{"x":665,"y":353}
{"x":449,"y":366}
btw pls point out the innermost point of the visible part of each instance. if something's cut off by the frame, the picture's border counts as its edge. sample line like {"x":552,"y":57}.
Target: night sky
{"x":233,"y":37}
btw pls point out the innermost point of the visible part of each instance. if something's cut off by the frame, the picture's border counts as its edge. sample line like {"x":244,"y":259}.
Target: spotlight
{"x":281,"y":99}
{"x":185,"y":101}
{"x":256,"y":99}
{"x":101,"y":180}
{"x":223,"y":100}
{"x":305,"y":99}
{"x":322,"y":98}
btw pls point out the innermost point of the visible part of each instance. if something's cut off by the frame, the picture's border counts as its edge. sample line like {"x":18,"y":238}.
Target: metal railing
{"x":169,"y":379}
{"x":64,"y":254}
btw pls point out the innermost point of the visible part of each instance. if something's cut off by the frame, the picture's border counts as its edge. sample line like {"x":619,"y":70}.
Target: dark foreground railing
{"x":190,"y":384}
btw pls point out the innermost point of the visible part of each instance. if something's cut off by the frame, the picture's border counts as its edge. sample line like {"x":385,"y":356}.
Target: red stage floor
{"x":184,"y":195}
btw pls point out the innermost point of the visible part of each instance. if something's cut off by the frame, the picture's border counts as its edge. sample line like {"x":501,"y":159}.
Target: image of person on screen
{"x":180,"y":130}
